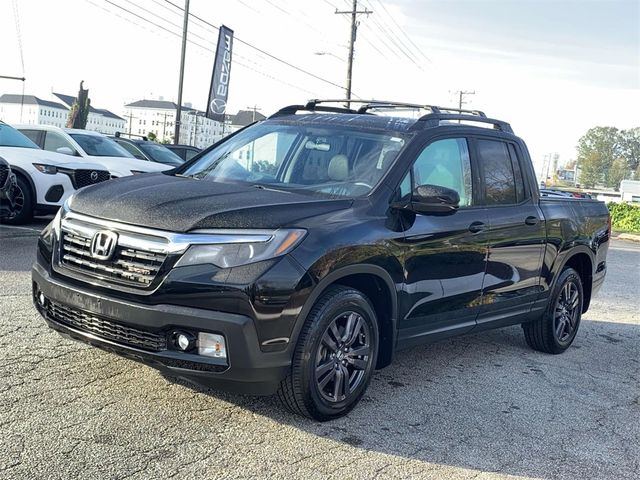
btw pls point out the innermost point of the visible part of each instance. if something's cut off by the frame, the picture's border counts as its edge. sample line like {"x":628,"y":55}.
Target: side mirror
{"x":65,"y":151}
{"x":434,"y":199}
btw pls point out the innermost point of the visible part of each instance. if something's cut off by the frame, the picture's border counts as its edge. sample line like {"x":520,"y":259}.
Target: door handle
{"x":531,"y":220}
{"x":476,"y":227}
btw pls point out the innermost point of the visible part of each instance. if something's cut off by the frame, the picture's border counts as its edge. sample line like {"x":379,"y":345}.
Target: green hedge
{"x":625,"y":217}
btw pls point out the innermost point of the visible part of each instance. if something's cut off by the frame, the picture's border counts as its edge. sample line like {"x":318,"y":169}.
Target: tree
{"x":607,"y":156}
{"x":79,"y":112}
{"x":630,"y":144}
{"x":152,"y":136}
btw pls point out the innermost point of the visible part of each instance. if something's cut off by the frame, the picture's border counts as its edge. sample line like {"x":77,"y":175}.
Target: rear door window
{"x":497,"y":173}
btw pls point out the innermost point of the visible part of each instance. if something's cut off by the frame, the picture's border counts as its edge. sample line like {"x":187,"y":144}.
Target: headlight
{"x":48,"y":169}
{"x":233,"y":254}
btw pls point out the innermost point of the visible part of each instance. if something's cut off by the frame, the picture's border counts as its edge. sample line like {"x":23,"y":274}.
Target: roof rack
{"x":432,"y":119}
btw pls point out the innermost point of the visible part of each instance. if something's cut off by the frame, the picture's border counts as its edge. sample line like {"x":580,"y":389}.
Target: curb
{"x":629,"y":236}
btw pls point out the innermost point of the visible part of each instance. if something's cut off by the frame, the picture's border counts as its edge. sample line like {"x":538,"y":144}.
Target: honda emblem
{"x":103,"y":244}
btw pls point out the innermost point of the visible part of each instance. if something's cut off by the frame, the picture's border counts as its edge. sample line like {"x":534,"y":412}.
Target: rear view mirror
{"x":65,"y":151}
{"x":434,"y":199}
{"x":317,"y":145}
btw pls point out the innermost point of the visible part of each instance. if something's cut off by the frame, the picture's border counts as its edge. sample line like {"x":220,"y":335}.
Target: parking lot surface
{"x":479,"y":406}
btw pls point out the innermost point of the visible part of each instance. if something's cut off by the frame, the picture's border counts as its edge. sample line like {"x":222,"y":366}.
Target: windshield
{"x":160,"y":153}
{"x":10,"y":137}
{"x":99,"y":146}
{"x":327,"y":160}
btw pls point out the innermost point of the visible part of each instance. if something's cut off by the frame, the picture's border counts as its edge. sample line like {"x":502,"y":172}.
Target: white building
{"x":159,"y":117}
{"x":99,"y":119}
{"x":31,"y":110}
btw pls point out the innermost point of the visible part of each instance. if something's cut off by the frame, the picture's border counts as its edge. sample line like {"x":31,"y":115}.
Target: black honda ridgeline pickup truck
{"x":297,"y":255}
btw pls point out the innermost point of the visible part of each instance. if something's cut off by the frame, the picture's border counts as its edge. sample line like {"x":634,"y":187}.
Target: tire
{"x":315,"y":386}
{"x":555,"y":331}
{"x":25,"y":202}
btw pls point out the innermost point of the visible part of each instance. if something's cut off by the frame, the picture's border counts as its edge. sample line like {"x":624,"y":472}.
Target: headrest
{"x":338,"y":168}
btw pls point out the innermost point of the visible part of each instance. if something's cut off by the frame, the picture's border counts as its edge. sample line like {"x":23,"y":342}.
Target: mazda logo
{"x":94,"y":176}
{"x":103,"y":244}
{"x":218,"y":105}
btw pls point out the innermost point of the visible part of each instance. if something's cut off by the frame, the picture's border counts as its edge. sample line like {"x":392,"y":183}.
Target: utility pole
{"x":164,"y":126}
{"x":461,"y":94}
{"x":176,"y":138}
{"x":255,"y":108}
{"x":354,"y":29}
{"x":130,"y":117}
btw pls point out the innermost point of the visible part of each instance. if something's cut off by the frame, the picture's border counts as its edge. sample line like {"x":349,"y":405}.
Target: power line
{"x":397,"y":42}
{"x":403,"y":32}
{"x":329,"y":82}
{"x":236,"y":55}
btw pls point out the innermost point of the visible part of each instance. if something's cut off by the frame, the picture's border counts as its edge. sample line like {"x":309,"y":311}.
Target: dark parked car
{"x":300,"y":253}
{"x":186,"y":152}
{"x":8,"y":191}
{"x":144,"y":149}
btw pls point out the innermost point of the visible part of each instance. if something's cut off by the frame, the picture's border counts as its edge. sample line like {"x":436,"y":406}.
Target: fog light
{"x":211,"y":345}
{"x":184,"y":341}
{"x":41,"y":299}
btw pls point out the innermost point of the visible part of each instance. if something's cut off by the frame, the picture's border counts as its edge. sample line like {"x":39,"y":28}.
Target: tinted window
{"x":132,"y":149}
{"x":53,"y":141}
{"x":497,"y":173}
{"x":35,"y":136}
{"x":160,"y":153}
{"x":99,"y":146}
{"x":445,"y":163}
{"x":10,"y":137}
{"x":189,"y":154}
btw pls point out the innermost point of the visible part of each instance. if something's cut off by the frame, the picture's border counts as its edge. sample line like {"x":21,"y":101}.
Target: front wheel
{"x":334,"y":358}
{"x":555,"y":331}
{"x":24,"y":202}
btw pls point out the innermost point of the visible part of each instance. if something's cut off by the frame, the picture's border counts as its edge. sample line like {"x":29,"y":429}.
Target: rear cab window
{"x":500,"y":173}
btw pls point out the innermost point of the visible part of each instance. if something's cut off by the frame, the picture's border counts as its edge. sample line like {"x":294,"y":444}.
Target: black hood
{"x":181,"y":204}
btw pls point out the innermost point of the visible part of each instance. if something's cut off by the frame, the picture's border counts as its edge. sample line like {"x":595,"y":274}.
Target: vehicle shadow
{"x":489,"y":403}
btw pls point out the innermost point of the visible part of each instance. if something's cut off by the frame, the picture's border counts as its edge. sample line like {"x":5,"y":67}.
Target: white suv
{"x":44,"y":179}
{"x":89,"y":145}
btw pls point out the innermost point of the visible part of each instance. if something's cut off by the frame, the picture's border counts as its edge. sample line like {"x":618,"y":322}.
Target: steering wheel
{"x":362,"y":184}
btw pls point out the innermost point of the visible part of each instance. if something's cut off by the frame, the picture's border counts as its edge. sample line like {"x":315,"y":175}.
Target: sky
{"x":553,"y":69}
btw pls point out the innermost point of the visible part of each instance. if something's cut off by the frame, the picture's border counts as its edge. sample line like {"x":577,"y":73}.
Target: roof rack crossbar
{"x":434,"y":119}
{"x":309,"y":107}
{"x":381,"y":104}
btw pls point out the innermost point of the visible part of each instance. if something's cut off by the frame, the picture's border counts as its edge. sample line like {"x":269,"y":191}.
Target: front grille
{"x":83,"y":178}
{"x":4,"y":174}
{"x":127,"y":265}
{"x":105,"y":328}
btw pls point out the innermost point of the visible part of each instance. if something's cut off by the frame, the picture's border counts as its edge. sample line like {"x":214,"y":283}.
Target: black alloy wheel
{"x":343,"y":356}
{"x":335,"y":356}
{"x":555,"y":330}
{"x":566,"y":312}
{"x":23,"y":202}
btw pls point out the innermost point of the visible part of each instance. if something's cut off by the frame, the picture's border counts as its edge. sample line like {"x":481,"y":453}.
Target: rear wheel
{"x":555,"y":331}
{"x":24,"y":202}
{"x":335,"y":356}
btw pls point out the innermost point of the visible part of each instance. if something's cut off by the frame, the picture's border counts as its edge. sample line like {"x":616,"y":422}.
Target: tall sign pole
{"x":354,"y":29}
{"x":176,"y":138}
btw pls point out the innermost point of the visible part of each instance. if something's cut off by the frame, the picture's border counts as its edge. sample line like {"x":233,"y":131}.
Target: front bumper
{"x":246,"y":370}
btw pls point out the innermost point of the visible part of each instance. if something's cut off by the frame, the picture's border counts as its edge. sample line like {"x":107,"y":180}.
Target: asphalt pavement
{"x":480,"y":406}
